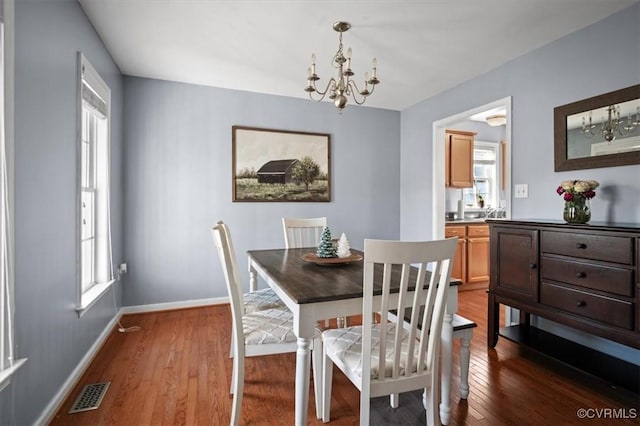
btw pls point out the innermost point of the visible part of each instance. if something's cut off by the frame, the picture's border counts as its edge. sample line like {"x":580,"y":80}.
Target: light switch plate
{"x":522,"y":190}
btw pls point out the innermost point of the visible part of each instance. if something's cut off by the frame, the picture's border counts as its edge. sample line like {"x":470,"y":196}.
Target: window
{"x":8,"y":361}
{"x":95,"y":270}
{"x":485,"y":176}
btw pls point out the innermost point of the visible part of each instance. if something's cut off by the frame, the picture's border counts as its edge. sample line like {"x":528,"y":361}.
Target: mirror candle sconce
{"x":613,"y":139}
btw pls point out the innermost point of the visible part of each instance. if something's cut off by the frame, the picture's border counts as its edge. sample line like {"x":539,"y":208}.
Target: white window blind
{"x":95,"y":272}
{"x":8,"y":361}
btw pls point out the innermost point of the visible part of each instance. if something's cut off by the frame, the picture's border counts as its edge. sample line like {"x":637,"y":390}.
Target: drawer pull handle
{"x":532,"y":266}
{"x":581,"y":275}
{"x":581,"y":245}
{"x":581,"y":303}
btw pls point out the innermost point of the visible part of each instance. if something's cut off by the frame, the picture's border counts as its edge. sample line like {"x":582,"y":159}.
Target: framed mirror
{"x":602,"y":131}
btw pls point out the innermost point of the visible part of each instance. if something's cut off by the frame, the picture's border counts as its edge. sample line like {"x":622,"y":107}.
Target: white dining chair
{"x":306,"y":232}
{"x":263,"y":332}
{"x":385,"y":359}
{"x":257,"y":300}
{"x":253,"y":301}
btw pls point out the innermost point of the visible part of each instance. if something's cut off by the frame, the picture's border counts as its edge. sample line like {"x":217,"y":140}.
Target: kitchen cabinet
{"x":459,"y":158}
{"x":471,"y":262}
{"x":459,"y":269}
{"x":478,"y":254}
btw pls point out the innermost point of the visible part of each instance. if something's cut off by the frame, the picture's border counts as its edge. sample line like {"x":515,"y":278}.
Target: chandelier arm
{"x":355,"y":90}
{"x":324,"y":92}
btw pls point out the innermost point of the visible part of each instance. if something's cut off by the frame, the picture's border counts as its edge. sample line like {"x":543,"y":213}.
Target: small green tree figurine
{"x":326,"y":247}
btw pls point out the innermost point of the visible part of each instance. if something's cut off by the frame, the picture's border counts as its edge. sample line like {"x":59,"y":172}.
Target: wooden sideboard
{"x":583,"y":276}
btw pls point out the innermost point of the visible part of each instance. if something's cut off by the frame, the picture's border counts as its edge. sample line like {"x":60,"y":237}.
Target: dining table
{"x":317,"y":291}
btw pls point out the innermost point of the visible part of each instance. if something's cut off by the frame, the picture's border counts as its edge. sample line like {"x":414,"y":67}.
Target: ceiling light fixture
{"x":496,"y":120}
{"x":342,"y":86}
{"x":612,"y":125}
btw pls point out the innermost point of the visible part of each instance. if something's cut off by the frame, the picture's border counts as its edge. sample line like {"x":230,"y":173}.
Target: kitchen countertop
{"x":465,"y":221}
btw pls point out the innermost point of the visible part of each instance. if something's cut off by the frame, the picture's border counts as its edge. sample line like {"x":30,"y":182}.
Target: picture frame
{"x":271,"y":165}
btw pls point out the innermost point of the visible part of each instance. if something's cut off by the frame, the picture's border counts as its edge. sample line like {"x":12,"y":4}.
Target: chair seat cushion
{"x":262,"y":299}
{"x":344,"y":346}
{"x":270,"y":326}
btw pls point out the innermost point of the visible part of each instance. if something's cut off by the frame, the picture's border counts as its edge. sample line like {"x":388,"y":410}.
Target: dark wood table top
{"x":307,"y":282}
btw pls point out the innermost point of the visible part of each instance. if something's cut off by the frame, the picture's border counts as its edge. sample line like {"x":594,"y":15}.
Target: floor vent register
{"x":90,"y":397}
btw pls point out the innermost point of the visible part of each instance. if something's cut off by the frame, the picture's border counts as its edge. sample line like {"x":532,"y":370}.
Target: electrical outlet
{"x":122,"y":268}
{"x":522,"y":190}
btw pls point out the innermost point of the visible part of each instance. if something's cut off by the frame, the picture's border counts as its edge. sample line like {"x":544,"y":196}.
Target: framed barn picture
{"x":280,"y":165}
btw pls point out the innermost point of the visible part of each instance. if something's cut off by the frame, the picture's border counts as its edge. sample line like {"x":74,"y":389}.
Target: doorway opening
{"x":438,"y":179}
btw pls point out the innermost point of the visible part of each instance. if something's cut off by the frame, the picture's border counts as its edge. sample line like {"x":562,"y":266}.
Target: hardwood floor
{"x":177,"y":370}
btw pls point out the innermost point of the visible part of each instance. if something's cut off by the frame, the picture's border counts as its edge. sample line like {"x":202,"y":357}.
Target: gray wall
{"x":175,"y":171}
{"x":48,"y":330}
{"x":178,"y":174}
{"x":598,"y":59}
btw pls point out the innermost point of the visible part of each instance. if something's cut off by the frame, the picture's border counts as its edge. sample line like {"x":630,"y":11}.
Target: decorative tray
{"x":331,"y":261}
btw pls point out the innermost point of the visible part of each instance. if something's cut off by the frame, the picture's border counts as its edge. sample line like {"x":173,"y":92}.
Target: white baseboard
{"x":54,"y":405}
{"x":173,"y":305}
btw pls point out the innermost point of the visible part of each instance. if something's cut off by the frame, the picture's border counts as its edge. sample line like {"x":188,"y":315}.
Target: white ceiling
{"x":422,"y":47}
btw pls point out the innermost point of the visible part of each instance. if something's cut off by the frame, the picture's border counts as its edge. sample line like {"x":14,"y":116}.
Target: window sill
{"x":5,"y":375}
{"x":90,"y":297}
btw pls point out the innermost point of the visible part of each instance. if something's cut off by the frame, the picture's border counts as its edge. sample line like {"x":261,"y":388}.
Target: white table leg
{"x":445,"y":365}
{"x":253,"y":278}
{"x":303,"y":364}
{"x":465,"y":340}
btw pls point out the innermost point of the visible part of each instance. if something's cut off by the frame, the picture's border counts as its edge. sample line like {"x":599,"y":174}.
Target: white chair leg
{"x":233,"y":342}
{"x":365,"y":401}
{"x":394,"y":400}
{"x":341,"y":322}
{"x":237,"y":389}
{"x":318,"y":376}
{"x":465,"y":340}
{"x":234,"y":373}
{"x":430,"y":402}
{"x":327,"y":376}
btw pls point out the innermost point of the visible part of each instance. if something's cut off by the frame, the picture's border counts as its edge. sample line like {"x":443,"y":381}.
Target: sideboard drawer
{"x":597,"y":277}
{"x":589,"y":246}
{"x":604,"y":309}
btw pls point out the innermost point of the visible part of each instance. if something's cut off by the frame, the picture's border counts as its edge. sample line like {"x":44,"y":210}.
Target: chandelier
{"x":613,"y":125}
{"x":342,"y":86}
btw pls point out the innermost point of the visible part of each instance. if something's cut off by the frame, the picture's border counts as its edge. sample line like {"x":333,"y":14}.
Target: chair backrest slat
{"x":303,"y":232}
{"x":423,"y":268}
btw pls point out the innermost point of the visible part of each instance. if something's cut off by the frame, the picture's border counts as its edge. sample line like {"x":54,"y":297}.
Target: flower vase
{"x":577,"y":211}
